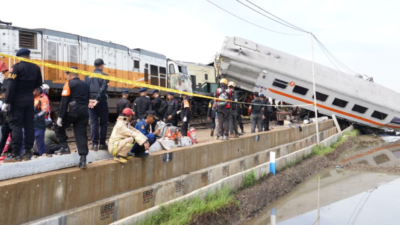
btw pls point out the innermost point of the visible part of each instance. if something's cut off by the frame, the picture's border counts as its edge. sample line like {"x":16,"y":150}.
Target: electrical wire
{"x":248,"y":21}
{"x":284,"y":23}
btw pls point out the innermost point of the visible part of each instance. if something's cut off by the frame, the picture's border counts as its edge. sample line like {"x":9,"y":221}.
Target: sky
{"x":363,"y":34}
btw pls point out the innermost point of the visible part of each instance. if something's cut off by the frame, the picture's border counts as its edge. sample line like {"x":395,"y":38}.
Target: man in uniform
{"x":124,"y":136}
{"x":141,"y":105}
{"x":256,"y":112}
{"x":144,"y":127}
{"x":123,"y":103}
{"x":98,"y":88}
{"x":74,"y":110}
{"x":185,"y":114}
{"x":155,"y":105}
{"x":233,"y":126}
{"x":24,"y":77}
{"x":171,"y":115}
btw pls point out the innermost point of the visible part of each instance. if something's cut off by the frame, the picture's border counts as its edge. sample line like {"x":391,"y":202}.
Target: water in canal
{"x":343,"y":197}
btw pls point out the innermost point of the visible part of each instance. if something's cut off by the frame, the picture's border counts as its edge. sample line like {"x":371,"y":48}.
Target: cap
{"x":23,"y":51}
{"x":72,"y":67}
{"x":45,"y":86}
{"x":224,"y":81}
{"x":155,"y":91}
{"x":142,"y":90}
{"x":99,"y":62}
{"x":231,"y":83}
{"x":152,"y":113}
{"x":170,"y":93}
{"x":125,"y":91}
{"x":127,"y":112}
{"x":261,"y":95}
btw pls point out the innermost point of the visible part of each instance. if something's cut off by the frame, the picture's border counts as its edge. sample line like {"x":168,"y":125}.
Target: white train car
{"x":67,"y":49}
{"x":282,"y":76}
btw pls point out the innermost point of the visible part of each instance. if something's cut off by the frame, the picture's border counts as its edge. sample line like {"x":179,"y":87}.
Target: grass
{"x":182,"y":212}
{"x":321,"y":150}
{"x":249,"y":179}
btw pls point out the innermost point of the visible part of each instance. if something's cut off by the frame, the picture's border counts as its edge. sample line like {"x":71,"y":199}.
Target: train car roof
{"x":197,"y":64}
{"x":150,"y":53}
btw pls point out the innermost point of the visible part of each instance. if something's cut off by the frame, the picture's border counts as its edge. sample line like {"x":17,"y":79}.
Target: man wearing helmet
{"x":233,"y":126}
{"x":224,"y":96}
{"x":124,"y":137}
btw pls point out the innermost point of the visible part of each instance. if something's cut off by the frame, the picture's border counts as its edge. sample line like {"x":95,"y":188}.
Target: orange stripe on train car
{"x":330,"y":109}
{"x":369,"y":152}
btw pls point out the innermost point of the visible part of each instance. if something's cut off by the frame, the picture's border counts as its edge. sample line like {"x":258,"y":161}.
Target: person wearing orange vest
{"x":74,"y":110}
{"x":41,"y":110}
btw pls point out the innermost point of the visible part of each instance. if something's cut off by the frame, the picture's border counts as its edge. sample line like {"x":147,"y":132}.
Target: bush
{"x":249,"y":179}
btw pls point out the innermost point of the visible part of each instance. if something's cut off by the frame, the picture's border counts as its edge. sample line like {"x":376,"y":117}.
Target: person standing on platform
{"x":240,"y":117}
{"x":99,"y":108}
{"x":233,"y":126}
{"x":123,"y":102}
{"x":41,"y":110}
{"x":185,"y":114}
{"x":141,"y":105}
{"x":266,"y":113}
{"x":156,"y":106}
{"x":74,"y":110}
{"x":143,"y":126}
{"x":171,"y":115}
{"x":23,"y":78}
{"x":124,"y":137}
{"x":211,"y":116}
{"x":256,"y":112}
{"x":224,"y":109}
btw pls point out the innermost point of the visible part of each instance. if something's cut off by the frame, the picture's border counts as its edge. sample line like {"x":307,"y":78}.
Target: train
{"x":66,"y":49}
{"x":258,"y":68}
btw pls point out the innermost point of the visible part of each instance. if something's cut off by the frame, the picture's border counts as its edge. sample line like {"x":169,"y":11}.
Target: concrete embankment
{"x":108,"y":191}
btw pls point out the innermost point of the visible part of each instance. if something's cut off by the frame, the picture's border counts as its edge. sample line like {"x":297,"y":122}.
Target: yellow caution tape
{"x":116,"y":79}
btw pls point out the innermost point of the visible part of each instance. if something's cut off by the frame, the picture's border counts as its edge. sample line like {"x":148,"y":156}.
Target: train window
{"x":136,"y":64}
{"x":300,"y":90}
{"x":163,"y":75}
{"x":339,"y":102}
{"x":395,"y":120}
{"x":321,"y":97}
{"x":205,"y":76}
{"x":379,"y":115}
{"x":359,"y":108}
{"x":280,"y":83}
{"x":154,"y":75}
{"x":171,"y":69}
{"x":27,"y":39}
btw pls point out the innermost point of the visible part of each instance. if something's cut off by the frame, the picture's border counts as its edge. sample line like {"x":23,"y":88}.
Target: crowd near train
{"x":31,"y":126}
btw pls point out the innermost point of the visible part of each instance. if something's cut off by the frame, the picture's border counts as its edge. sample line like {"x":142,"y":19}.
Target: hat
{"x":127,"y":112}
{"x":45,"y":86}
{"x":99,"y":62}
{"x":72,"y":67}
{"x":261,"y":95}
{"x":142,"y":90}
{"x":223,"y":81}
{"x":152,"y":113}
{"x":125,"y":91}
{"x":170,"y":93}
{"x":155,"y":91}
{"x":23,"y":51}
{"x":231,"y":83}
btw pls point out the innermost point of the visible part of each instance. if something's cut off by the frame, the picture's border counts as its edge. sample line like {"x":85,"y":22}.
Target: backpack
{"x":163,"y":107}
{"x":224,"y":95}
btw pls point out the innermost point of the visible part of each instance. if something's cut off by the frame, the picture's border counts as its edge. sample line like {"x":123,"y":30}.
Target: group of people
{"x":226,"y":112}
{"x":26,"y":120}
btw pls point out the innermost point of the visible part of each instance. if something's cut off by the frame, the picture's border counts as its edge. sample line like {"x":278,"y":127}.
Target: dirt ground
{"x":254,"y":199}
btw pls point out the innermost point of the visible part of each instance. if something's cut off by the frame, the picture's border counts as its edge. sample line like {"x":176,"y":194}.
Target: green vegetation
{"x":291,"y":164}
{"x":249,"y":179}
{"x":182,"y":212}
{"x":321,"y":150}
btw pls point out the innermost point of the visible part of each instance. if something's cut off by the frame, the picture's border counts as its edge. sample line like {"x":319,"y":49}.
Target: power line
{"x":285,"y":23}
{"x":248,"y":21}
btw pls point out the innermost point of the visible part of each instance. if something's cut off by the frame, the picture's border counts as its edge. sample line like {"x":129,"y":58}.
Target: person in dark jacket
{"x":98,"y":95}
{"x":224,"y":109}
{"x":256,"y":112}
{"x":211,"y":116}
{"x":23,"y":78}
{"x":155,"y":106}
{"x":171,"y":115}
{"x":141,"y":105}
{"x":74,"y":110}
{"x":185,"y":114}
{"x":123,"y":102}
{"x":144,"y":127}
{"x":240,"y":117}
{"x":233,"y":126}
{"x":266,"y":114}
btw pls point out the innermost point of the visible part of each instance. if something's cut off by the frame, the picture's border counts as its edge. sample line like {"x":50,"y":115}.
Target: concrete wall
{"x":234,"y":181}
{"x":37,"y":196}
{"x":138,"y":200}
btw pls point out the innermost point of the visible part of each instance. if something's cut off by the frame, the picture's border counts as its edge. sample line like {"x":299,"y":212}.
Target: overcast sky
{"x":363,"y":34}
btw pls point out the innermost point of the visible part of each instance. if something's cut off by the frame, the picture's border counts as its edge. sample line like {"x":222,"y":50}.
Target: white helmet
{"x":45,"y":86}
